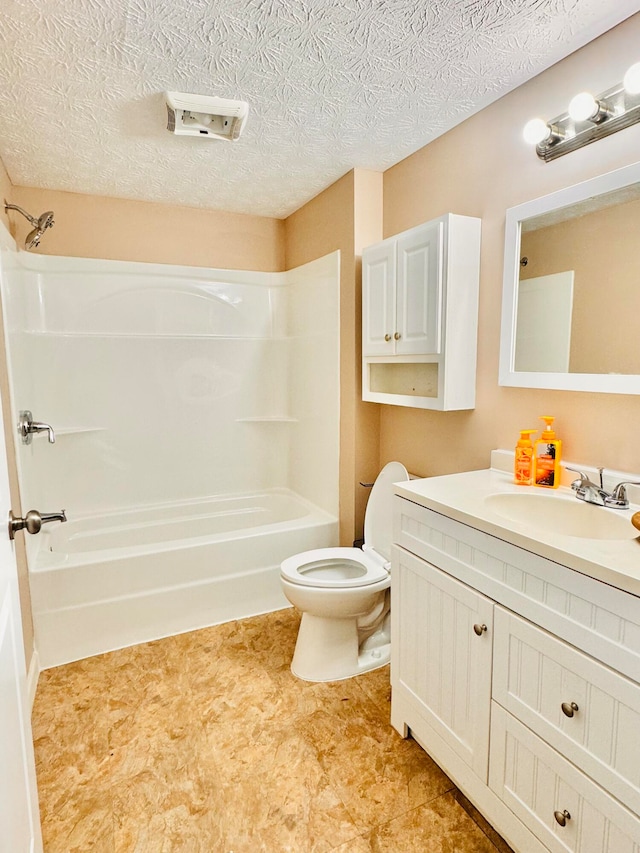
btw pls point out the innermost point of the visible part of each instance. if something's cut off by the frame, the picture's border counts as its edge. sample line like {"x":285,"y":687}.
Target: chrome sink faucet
{"x":587,"y":490}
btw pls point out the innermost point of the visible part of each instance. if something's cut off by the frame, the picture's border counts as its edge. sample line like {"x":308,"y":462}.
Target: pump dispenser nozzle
{"x":524,"y":440}
{"x":547,"y":432}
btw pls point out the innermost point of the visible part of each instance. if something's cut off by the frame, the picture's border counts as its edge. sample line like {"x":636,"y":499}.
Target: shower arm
{"x":26,"y":215}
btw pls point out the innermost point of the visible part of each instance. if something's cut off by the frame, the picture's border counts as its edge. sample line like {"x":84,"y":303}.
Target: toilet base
{"x":328,"y":649}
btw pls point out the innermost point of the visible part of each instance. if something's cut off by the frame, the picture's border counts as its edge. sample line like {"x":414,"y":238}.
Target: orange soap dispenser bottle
{"x":546,"y":458}
{"x":523,"y":467}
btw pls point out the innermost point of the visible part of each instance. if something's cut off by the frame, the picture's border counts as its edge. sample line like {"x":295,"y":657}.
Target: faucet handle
{"x":27,"y":427}
{"x":619,"y":499}
{"x":582,"y":480}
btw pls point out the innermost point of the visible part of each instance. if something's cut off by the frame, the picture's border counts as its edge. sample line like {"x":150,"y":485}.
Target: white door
{"x":19,"y":815}
{"x":379,"y":299}
{"x":543,"y":325}
{"x":419,"y":290}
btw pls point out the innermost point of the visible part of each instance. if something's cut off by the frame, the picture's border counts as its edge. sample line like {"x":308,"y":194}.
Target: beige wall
{"x":345,"y":216}
{"x":481,"y":168}
{"x":120,"y":229}
{"x":603,"y":250}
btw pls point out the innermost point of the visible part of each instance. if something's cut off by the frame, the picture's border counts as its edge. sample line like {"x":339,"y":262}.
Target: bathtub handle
{"x":27,"y":427}
{"x":33,"y":521}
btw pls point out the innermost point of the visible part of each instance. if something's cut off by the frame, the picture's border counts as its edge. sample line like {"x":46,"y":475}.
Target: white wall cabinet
{"x":419,"y":315}
{"x":556,"y":727}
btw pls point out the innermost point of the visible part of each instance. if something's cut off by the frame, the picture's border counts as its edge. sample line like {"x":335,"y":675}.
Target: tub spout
{"x":53,"y":516}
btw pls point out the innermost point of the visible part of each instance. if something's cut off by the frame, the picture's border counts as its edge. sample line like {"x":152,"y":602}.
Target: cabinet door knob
{"x":387,"y":337}
{"x":562,"y":817}
{"x":397,"y":336}
{"x":479,"y":629}
{"x":568,"y":708}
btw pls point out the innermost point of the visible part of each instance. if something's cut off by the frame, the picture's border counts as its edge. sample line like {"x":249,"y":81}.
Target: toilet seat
{"x":340,"y":568}
{"x":334,"y":568}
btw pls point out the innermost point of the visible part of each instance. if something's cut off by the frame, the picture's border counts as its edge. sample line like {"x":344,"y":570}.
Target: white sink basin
{"x":562,"y":515}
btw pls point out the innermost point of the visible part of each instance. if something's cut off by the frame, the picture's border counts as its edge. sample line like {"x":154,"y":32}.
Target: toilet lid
{"x":333,"y":568}
{"x":378,"y":519}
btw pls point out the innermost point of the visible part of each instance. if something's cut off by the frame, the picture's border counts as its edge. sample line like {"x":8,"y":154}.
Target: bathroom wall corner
{"x":345,"y":216}
{"x":6,"y":191}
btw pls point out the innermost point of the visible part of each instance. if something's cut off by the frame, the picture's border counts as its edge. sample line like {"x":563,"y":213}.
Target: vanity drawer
{"x":537,"y":784}
{"x":589,"y":614}
{"x":536,"y":675}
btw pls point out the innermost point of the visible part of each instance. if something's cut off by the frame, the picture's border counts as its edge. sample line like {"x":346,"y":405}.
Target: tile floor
{"x":205,"y":743}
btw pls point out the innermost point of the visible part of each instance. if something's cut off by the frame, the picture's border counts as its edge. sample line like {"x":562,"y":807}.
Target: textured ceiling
{"x":331,"y":84}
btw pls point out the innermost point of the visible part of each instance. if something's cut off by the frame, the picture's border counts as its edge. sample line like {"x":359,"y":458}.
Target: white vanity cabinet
{"x":536,"y":718}
{"x":419,"y":315}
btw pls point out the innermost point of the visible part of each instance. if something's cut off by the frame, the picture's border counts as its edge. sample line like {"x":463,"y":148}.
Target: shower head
{"x":45,"y":220}
{"x":33,"y":238}
{"x":40,"y":225}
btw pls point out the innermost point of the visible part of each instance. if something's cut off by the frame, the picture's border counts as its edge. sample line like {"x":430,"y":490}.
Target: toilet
{"x":343,"y":595}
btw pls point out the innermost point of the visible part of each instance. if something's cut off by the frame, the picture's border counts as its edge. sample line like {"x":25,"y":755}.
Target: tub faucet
{"x":27,"y":427}
{"x":588,"y":491}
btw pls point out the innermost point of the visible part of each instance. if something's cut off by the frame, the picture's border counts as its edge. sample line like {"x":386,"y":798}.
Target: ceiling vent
{"x":200,"y":115}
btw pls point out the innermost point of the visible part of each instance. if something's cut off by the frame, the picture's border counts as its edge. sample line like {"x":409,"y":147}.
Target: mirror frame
{"x":606,"y":383}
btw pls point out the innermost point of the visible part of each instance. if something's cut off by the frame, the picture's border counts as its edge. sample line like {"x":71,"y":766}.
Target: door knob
{"x":568,"y":708}
{"x":33,"y":521}
{"x":387,"y":337}
{"x":479,"y":629}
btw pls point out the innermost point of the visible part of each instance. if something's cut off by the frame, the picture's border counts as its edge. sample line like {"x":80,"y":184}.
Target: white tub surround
{"x":516,"y":654}
{"x":191,"y":408}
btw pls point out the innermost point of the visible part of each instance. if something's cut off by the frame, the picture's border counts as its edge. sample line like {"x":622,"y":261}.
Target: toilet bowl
{"x":343,"y":595}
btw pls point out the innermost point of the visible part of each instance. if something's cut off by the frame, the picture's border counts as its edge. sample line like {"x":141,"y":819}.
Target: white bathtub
{"x":103,"y":582}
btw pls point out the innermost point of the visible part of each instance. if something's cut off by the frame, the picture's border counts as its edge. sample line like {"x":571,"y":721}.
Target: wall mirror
{"x":571,"y":293}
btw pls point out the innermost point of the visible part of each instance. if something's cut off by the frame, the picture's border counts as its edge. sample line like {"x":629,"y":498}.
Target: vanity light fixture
{"x":588,"y":118}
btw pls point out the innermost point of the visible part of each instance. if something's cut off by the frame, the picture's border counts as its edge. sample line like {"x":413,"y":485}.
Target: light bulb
{"x":583,"y":107}
{"x":536,"y":131}
{"x":631,"y":80}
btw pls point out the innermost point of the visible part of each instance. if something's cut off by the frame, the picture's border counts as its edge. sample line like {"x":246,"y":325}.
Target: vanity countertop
{"x":463,"y":497}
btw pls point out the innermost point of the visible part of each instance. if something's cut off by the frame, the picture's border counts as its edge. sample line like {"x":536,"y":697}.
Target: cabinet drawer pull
{"x":479,"y":629}
{"x":397,"y":336}
{"x":562,"y":817}
{"x":387,"y":337}
{"x":568,"y":708}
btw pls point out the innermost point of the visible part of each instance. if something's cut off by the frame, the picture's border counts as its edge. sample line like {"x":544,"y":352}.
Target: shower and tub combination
{"x":195,"y":417}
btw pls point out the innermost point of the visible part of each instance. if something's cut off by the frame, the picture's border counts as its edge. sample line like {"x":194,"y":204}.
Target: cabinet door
{"x":379,"y":299}
{"x":441,"y":653}
{"x":419,"y":291}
